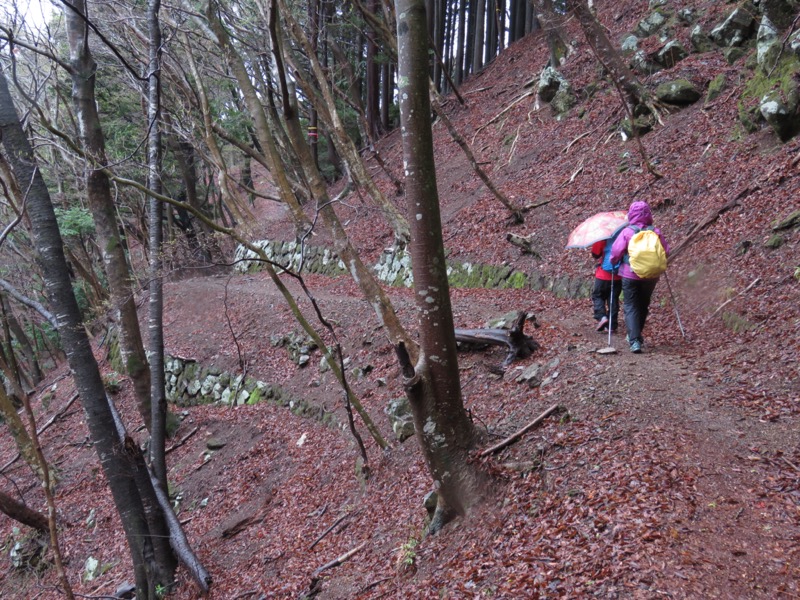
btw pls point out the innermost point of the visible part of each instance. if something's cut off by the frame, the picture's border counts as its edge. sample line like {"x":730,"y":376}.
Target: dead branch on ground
{"x":755,"y":282}
{"x":513,"y":438}
{"x":340,"y":560}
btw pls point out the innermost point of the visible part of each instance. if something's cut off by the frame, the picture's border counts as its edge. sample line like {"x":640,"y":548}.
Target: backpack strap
{"x":625,"y":257}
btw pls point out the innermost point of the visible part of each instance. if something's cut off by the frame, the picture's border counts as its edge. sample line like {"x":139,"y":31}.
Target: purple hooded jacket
{"x":639,"y":214}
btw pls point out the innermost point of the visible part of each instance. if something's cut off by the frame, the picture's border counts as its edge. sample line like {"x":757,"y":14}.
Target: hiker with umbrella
{"x":598,"y":232}
{"x":640,"y":272}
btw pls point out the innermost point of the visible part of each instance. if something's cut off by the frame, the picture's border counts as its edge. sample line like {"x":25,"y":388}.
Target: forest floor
{"x":674,"y":473}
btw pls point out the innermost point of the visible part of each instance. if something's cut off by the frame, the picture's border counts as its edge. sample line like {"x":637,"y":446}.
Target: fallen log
{"x":519,"y":345}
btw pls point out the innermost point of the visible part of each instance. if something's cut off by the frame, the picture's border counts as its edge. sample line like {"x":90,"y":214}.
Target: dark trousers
{"x":638,"y":293}
{"x":601,"y":298}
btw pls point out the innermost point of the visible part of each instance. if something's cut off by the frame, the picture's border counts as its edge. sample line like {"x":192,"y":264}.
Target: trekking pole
{"x":674,"y":305}
{"x":611,"y":309}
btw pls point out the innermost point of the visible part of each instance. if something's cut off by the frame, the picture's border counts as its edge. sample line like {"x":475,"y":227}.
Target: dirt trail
{"x":701,"y":476}
{"x":731,"y":537}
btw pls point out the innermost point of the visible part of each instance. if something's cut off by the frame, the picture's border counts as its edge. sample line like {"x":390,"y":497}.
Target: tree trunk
{"x":443,"y":427}
{"x":480,"y":33}
{"x":24,"y":342}
{"x":345,"y":145}
{"x":158,"y":418}
{"x":17,"y":429}
{"x":617,"y":68}
{"x":373,"y":81}
{"x":22,"y":513}
{"x":86,"y":373}
{"x":98,"y":190}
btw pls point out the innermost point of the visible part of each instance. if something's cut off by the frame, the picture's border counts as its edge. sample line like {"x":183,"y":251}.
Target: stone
{"x":550,"y":81}
{"x":671,"y":54}
{"x":213,"y":443}
{"x":794,"y":43}
{"x":687,"y":15}
{"x":715,"y":87}
{"x":401,"y":418}
{"x":650,"y":24}
{"x":430,"y":501}
{"x":303,"y":360}
{"x":630,"y":44}
{"x":680,"y":91}
{"x":768,"y":45}
{"x":781,"y":113}
{"x":642,"y":63}
{"x":241,"y":398}
{"x":774,"y":241}
{"x":398,"y":408}
{"x":225,"y":397}
{"x":700,"y":41}
{"x":193,"y":387}
{"x":734,"y":30}
{"x":563,"y":101}
{"x":403,"y":429}
{"x":531,"y":375}
{"x":733,"y":54}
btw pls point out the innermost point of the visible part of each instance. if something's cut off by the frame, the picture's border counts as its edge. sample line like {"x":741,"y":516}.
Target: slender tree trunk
{"x":86,"y":374}
{"x":24,"y":342}
{"x":596,"y":36}
{"x":158,"y":395}
{"x":458,"y":74}
{"x":84,"y":71}
{"x":373,"y":80}
{"x":344,"y":144}
{"x":17,"y":429}
{"x":480,"y":33}
{"x":432,"y":379}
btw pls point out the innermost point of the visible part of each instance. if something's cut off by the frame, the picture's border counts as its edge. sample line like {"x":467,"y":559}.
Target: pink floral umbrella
{"x":598,"y":227}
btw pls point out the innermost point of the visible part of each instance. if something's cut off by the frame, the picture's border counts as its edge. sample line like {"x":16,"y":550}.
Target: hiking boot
{"x":602,"y":324}
{"x":636,"y":346}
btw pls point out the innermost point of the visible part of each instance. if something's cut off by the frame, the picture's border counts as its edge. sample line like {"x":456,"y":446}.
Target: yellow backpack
{"x":646,"y":254}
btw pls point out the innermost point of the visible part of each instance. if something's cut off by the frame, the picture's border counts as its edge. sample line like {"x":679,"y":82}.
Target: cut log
{"x":519,"y":345}
{"x":523,"y":242}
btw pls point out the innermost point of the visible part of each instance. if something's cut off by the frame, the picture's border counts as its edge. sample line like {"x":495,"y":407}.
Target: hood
{"x":639,"y":214}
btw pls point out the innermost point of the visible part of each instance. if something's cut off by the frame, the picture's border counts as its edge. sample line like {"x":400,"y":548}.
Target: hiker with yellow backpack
{"x":642,"y":252}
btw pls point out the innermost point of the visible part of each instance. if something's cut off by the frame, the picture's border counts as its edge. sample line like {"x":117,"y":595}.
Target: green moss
{"x":736,"y":322}
{"x":255,"y":397}
{"x":517,"y":280}
{"x":716,"y":87}
{"x":783,"y":78}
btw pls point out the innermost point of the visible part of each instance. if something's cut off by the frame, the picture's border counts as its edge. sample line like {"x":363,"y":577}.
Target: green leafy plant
{"x":74,"y":222}
{"x":112,"y":382}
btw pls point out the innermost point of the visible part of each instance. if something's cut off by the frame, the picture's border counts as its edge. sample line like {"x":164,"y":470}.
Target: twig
{"x":375,"y":583}
{"x":513,"y":438}
{"x":575,"y":174}
{"x":729,"y":300}
{"x":338,"y":561}
{"x":183,"y":441}
{"x":513,"y":146}
{"x":501,"y":113}
{"x":791,"y":464}
{"x":328,"y":530}
{"x":577,"y":139}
